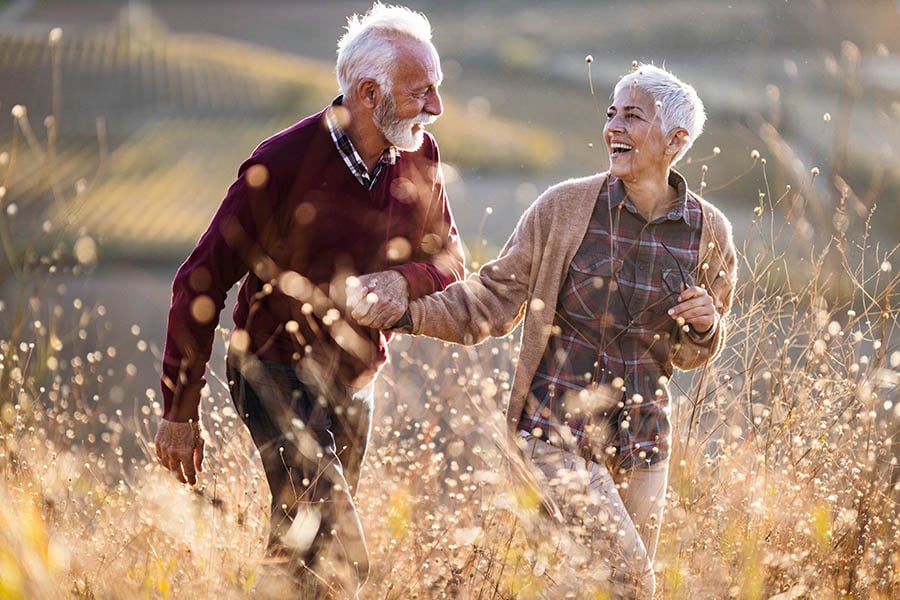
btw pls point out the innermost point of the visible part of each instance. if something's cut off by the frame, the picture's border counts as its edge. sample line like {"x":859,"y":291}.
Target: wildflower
{"x":755,"y":154}
{"x":589,"y":59}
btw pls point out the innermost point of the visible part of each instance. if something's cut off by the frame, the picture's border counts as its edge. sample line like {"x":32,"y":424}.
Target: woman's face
{"x":634,"y":137}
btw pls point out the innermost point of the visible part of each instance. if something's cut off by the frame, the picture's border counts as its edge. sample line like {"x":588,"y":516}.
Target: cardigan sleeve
{"x":489,"y":303}
{"x":718,"y":274}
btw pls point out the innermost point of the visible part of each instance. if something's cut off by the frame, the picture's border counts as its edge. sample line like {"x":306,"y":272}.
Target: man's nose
{"x":433,"y":103}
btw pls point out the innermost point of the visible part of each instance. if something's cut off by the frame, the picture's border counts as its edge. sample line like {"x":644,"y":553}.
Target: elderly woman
{"x":620,"y":277}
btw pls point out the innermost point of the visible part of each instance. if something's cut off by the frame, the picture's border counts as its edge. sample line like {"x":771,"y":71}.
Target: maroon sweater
{"x":294,"y":225}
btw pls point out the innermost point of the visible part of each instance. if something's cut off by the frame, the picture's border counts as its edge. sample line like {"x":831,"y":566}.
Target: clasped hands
{"x":377,"y":300}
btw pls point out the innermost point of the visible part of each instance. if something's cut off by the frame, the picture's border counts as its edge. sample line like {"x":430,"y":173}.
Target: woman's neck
{"x":652,"y":197}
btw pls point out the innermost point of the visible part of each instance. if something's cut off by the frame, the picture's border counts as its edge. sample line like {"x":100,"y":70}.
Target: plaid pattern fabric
{"x":351,"y":157}
{"x":602,"y":381}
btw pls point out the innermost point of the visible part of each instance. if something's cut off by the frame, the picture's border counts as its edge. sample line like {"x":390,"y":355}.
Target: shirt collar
{"x":677,"y":212}
{"x":349,"y":153}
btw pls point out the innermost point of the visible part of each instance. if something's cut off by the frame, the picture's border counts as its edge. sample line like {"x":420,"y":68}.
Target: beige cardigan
{"x":525,"y":279}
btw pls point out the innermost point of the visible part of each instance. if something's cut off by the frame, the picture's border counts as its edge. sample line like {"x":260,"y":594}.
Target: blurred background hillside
{"x":157,"y":102}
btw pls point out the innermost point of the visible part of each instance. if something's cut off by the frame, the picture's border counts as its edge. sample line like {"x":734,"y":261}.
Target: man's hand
{"x":179,"y":447}
{"x":695,"y":308}
{"x":377,"y":300}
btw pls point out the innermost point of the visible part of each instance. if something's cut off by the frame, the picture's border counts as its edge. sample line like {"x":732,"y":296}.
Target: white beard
{"x":399,"y":132}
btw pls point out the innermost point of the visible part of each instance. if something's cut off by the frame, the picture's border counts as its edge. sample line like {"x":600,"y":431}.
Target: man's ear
{"x":369,"y":93}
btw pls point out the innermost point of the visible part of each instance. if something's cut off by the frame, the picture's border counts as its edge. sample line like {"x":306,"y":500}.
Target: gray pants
{"x":311,"y":434}
{"x":618,"y":527}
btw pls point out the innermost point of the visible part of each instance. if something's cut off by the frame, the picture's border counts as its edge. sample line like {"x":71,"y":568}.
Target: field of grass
{"x":784,"y":480}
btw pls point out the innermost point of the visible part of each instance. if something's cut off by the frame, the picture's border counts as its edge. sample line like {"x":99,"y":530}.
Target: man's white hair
{"x":368,"y":49}
{"x":678,"y":104}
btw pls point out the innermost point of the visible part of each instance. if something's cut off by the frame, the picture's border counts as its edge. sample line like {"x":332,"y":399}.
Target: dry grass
{"x":784,"y":481}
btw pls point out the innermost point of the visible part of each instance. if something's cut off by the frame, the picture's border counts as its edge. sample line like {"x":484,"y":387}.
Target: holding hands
{"x":377,"y":300}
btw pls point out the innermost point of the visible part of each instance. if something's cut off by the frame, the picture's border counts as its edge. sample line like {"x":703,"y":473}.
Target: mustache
{"x":424,"y":119}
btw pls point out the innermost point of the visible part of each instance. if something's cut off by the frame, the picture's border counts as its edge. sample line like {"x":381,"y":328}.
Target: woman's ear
{"x":676,"y":140}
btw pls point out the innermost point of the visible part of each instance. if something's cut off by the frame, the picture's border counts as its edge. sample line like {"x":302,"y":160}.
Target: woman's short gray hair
{"x":678,"y":102}
{"x":368,"y":49}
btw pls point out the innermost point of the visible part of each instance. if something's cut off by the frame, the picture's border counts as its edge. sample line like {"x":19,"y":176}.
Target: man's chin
{"x":412,"y":142}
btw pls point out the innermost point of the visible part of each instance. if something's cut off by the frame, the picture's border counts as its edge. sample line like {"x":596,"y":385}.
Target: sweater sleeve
{"x":439,"y":260}
{"x":489,"y":303}
{"x":201,"y":285}
{"x":718,"y":274}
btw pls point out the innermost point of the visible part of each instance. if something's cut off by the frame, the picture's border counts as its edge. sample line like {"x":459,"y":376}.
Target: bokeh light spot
{"x":203,"y":309}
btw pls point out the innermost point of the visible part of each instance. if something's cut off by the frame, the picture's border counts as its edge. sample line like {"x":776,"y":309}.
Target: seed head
{"x":815,"y":171}
{"x":826,"y":117}
{"x":55,"y":36}
{"x":755,"y":154}
{"x":589,"y":59}
{"x":18,"y":111}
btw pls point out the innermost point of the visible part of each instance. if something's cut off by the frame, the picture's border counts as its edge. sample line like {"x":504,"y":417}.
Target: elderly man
{"x":356,"y":188}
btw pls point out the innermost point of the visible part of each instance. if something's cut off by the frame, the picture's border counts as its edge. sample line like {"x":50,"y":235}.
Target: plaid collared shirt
{"x":602,"y":381}
{"x":351,"y":157}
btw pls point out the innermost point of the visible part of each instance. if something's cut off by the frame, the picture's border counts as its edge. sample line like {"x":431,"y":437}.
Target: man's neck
{"x":366,"y":138}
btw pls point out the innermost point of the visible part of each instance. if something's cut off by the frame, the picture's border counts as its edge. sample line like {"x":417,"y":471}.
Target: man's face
{"x":414,"y":101}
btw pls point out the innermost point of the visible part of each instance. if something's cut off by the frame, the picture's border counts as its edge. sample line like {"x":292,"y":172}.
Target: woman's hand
{"x":378,"y":300}
{"x":695,"y":308}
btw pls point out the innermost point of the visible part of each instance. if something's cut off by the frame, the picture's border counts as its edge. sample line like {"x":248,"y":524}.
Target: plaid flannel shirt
{"x":602,"y":381}
{"x":348,"y":152}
